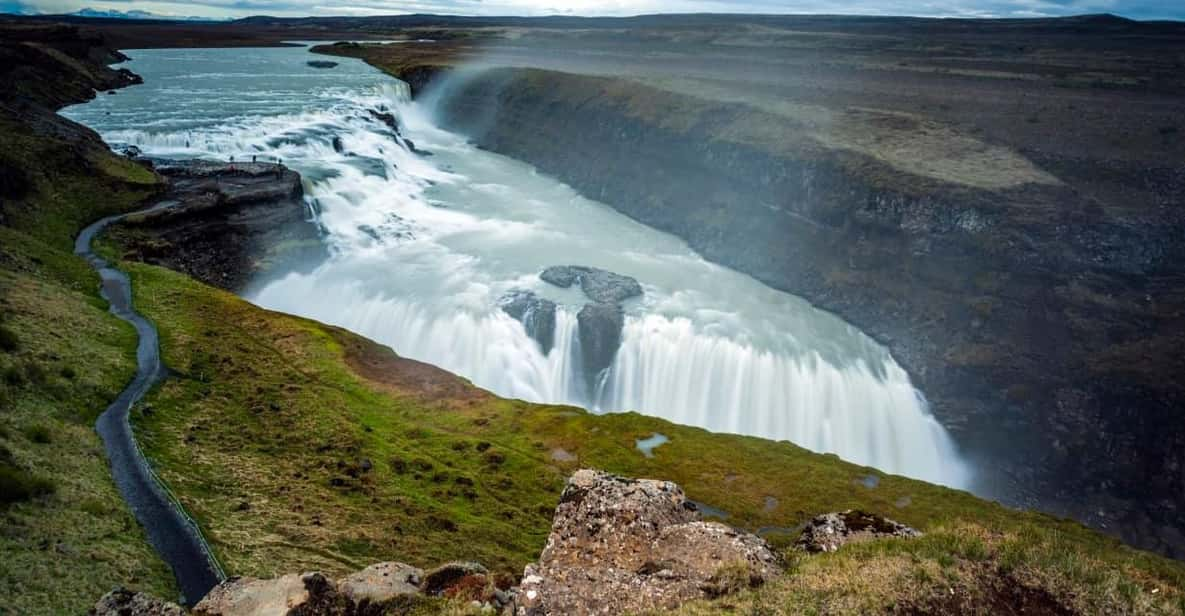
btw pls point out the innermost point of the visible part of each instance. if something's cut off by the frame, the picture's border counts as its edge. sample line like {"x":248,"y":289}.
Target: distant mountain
{"x":112,"y":14}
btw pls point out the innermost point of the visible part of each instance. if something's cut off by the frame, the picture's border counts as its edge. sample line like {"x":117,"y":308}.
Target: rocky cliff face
{"x":225,"y":224}
{"x":1043,"y":326}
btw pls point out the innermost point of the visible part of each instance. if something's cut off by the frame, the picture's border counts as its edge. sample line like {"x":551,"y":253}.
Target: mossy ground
{"x":66,"y":536}
{"x":302,"y":446}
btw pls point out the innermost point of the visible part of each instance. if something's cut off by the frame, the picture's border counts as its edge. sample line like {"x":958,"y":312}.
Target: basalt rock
{"x":622,"y":545}
{"x":600,"y":322}
{"x":225,"y":223}
{"x":831,"y":531}
{"x":598,"y":284}
{"x":599,"y":328}
{"x":536,"y":314}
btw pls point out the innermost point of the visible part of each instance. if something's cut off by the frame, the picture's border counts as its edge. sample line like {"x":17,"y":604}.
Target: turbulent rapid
{"x":428,"y":235}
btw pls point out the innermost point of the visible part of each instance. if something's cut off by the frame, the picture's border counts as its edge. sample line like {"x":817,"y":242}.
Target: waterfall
{"x":426,"y":240}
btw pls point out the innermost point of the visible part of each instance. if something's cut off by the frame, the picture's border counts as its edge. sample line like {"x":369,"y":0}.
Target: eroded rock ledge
{"x":225,"y":223}
{"x":617,"y":545}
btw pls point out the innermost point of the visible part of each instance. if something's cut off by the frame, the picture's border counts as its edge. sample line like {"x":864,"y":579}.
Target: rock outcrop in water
{"x":536,"y":314}
{"x":599,"y":322}
{"x":225,"y":223}
{"x":599,"y":285}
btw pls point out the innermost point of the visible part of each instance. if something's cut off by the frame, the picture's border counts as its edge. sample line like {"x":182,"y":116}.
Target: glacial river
{"x":424,"y":247}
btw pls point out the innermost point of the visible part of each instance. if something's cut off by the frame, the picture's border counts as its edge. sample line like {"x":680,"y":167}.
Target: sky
{"x":1136,"y":9}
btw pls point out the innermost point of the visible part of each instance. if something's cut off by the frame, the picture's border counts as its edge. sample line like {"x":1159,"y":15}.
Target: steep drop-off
{"x":1042,"y":325}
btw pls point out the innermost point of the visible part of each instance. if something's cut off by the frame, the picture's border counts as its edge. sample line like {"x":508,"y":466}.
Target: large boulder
{"x":309,"y":594}
{"x":378,"y":587}
{"x":598,"y":284}
{"x":622,"y":545}
{"x":599,"y":330}
{"x":535,"y":313}
{"x":830,"y":531}
{"x":124,"y":602}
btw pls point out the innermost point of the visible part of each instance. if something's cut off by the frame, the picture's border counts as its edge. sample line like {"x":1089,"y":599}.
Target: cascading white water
{"x":424,"y":246}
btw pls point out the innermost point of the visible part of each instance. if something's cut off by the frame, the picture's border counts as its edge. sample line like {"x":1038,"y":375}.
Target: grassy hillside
{"x":302,"y":446}
{"x":66,"y":536}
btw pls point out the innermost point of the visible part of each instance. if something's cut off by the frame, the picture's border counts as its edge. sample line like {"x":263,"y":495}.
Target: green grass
{"x":70,"y":183}
{"x":66,"y":536}
{"x":293,"y":460}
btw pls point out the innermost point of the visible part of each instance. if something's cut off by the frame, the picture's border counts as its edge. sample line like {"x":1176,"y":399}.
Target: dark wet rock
{"x":535,"y":313}
{"x":621,"y":545}
{"x":831,"y":531}
{"x":222,"y":223}
{"x":599,"y":285}
{"x":599,"y":329}
{"x":386,"y":118}
{"x":338,"y":146}
{"x":321,"y":64}
{"x":124,"y":602}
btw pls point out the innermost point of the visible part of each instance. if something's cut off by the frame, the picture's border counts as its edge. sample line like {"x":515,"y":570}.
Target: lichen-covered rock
{"x":830,"y":531}
{"x":376,"y":587}
{"x":124,"y":602}
{"x":309,"y":594}
{"x":624,"y":545}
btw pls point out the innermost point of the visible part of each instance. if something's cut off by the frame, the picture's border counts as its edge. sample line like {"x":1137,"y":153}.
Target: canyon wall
{"x":1043,"y":329}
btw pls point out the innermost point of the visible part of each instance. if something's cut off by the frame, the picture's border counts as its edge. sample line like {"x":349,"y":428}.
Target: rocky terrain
{"x":301,"y":447}
{"x":617,"y":545}
{"x":224,"y":223}
{"x":956,"y":190}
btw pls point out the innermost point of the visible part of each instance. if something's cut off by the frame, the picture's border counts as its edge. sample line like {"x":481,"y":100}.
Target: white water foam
{"x":424,"y":246}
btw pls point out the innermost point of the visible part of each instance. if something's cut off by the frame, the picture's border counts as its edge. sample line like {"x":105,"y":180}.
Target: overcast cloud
{"x":1137,"y":9}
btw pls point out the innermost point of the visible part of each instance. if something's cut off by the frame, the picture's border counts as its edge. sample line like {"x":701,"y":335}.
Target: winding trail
{"x":170,"y":530}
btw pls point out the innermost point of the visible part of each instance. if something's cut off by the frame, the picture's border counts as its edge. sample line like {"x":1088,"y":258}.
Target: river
{"x":425,"y":245}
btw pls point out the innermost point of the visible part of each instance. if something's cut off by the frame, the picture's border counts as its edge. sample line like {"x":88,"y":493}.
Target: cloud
{"x":1138,"y":9}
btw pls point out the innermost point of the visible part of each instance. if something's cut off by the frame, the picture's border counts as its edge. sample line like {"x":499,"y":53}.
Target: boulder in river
{"x":831,"y":531}
{"x":599,"y":326}
{"x":621,"y":545}
{"x":535,"y":313}
{"x":598,"y":284}
{"x":321,"y":64}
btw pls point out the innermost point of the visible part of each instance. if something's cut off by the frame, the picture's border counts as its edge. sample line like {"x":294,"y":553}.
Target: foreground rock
{"x":622,"y":545}
{"x":225,"y":223}
{"x":124,"y":602}
{"x":831,"y":531}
